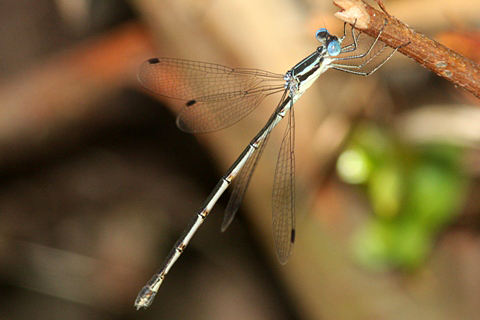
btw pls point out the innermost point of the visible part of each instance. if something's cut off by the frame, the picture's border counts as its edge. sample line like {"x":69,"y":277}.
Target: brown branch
{"x":53,"y":99}
{"x":427,"y":52}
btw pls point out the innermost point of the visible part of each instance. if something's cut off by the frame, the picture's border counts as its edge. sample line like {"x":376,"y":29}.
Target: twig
{"x":427,"y":52}
{"x":382,"y":6}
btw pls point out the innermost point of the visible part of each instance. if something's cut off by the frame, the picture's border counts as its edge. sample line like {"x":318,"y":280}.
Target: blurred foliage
{"x":414,"y":192}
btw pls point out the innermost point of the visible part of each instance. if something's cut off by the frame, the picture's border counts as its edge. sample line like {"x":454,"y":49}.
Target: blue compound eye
{"x":322,"y":35}
{"x":334,"y":48}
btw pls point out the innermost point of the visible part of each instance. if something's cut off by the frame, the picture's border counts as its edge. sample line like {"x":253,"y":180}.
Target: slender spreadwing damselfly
{"x":217,"y":97}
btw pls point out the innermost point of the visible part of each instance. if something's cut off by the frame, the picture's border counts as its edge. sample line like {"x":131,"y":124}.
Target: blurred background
{"x":97,"y":183}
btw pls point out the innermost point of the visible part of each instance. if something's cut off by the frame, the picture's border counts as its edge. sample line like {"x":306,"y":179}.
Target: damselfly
{"x":219,"y":96}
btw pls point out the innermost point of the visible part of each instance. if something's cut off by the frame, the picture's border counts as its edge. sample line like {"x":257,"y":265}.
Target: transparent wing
{"x":243,"y":179}
{"x":217,"y":96}
{"x":283,"y":195}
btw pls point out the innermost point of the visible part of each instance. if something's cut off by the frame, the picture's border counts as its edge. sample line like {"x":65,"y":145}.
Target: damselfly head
{"x":322,"y":35}
{"x":332,"y":42}
{"x":334,"y":47}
